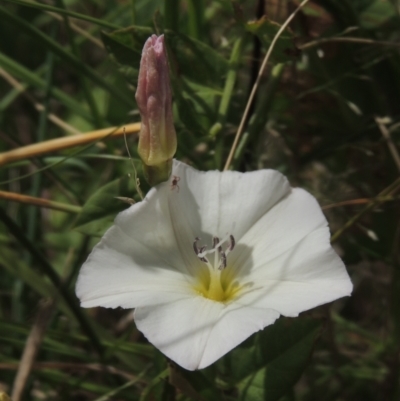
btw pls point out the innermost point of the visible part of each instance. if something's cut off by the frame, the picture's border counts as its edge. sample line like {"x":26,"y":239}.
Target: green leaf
{"x":15,"y":266}
{"x":66,"y":56}
{"x":45,"y":7}
{"x":125,"y":47}
{"x":186,"y":107}
{"x":195,"y":385}
{"x":196,"y":60}
{"x":34,"y":79}
{"x":270,"y":367}
{"x":126,"y":44}
{"x":99,"y":211}
{"x":265,"y":30}
{"x":377,"y":14}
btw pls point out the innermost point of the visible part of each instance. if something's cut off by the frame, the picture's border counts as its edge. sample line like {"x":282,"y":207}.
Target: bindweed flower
{"x":157,"y":138}
{"x":209,"y":258}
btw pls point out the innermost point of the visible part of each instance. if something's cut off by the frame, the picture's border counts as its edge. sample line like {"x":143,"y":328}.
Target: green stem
{"x":146,"y":392}
{"x":133,"y":11}
{"x":228,"y":88}
{"x":260,"y":115}
{"x":171,"y":15}
{"x":64,"y":207}
{"x":66,"y":56}
{"x":32,"y":212}
{"x":83,"y":81}
{"x":33,"y":78}
{"x":195,"y":20}
{"x":107,"y":397}
{"x":41,"y":134}
{"x":41,"y":6}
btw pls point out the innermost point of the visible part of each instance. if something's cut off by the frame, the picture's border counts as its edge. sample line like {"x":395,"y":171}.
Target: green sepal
{"x":158,"y":173}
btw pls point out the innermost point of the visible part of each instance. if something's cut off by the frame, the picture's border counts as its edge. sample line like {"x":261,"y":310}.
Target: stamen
{"x":203,"y":258}
{"x":220,"y":256}
{"x":231,"y":243}
{"x":217,"y":244}
{"x":198,"y":251}
{"x":222,"y":263}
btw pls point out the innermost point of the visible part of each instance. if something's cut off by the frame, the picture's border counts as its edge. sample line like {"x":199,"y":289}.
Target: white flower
{"x":268,"y":254}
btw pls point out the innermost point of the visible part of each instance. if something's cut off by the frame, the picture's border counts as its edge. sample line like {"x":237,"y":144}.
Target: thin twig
{"x":392,"y":147}
{"x":257,"y":83}
{"x":78,"y":30}
{"x":360,"y":201}
{"x":346,"y":39}
{"x":389,"y":191}
{"x":55,"y":145}
{"x":31,"y":349}
{"x":96,"y":367}
{"x":31,"y":200}
{"x":137,"y":181}
{"x":38,"y":106}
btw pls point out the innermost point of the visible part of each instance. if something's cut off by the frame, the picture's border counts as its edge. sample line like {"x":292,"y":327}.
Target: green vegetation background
{"x":326,"y":114}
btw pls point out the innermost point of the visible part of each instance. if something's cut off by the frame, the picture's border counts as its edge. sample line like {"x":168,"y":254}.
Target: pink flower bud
{"x":157,"y":138}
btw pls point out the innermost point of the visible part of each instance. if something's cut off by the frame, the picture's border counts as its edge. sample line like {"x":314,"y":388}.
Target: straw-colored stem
{"x":347,"y":39}
{"x":360,"y":201}
{"x":389,"y":191}
{"x":55,"y":145}
{"x":380,"y":122}
{"x":38,"y":106}
{"x":31,"y":200}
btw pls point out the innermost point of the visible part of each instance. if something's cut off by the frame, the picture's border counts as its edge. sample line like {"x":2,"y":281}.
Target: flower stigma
{"x":214,"y":280}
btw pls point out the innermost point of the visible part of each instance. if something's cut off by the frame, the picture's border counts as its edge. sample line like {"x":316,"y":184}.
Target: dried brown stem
{"x":31,"y":349}
{"x":38,"y":106}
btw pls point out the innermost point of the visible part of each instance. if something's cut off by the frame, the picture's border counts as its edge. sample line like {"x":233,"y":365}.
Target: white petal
{"x":123,"y":272}
{"x":195,"y":332}
{"x":287,"y":223}
{"x":308,"y":275}
{"x":217,"y":204}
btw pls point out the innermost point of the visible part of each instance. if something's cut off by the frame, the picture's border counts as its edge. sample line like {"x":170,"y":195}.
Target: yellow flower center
{"x":214,"y":280}
{"x":217,"y":285}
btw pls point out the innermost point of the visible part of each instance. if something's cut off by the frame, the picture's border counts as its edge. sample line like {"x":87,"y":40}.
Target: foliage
{"x":326,"y":114}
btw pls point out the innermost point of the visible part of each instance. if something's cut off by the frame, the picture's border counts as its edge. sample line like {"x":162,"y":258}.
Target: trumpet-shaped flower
{"x":210,"y":258}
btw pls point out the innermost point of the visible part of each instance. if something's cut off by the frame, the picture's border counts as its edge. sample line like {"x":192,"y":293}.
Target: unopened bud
{"x":157,"y":138}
